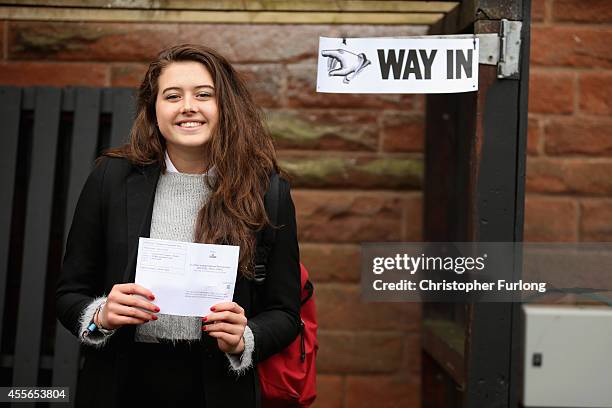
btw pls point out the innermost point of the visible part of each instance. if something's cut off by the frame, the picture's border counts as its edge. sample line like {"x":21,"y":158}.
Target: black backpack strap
{"x":266,"y":237}
{"x":309,"y":288}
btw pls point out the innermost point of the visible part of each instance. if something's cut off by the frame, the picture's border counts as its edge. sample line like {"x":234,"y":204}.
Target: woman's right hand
{"x":122,"y":308}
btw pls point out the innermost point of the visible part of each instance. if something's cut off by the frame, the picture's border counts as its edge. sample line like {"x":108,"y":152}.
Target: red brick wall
{"x":569,"y":166}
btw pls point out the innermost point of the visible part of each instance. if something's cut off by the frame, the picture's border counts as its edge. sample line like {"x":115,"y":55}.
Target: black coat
{"x":113,"y":211}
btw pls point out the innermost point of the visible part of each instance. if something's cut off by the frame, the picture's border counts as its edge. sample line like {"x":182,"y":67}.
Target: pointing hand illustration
{"x":350,"y":64}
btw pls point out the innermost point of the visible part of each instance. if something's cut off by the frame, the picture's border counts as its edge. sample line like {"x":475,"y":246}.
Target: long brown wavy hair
{"x":240,"y":150}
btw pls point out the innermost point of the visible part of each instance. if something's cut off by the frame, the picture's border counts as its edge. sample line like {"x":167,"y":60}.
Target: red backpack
{"x":288,"y":378}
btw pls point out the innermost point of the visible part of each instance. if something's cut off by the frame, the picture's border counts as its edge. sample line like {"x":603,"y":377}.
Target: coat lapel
{"x":141,"y":186}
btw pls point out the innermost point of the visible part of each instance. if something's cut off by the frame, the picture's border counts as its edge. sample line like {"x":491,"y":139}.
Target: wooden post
{"x":474,"y":191}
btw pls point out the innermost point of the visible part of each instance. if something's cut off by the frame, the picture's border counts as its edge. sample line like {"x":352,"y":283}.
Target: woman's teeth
{"x":190,"y":124}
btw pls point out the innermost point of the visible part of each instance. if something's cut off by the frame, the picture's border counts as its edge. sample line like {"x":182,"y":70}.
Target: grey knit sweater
{"x":177,"y":201}
{"x":178,"y":198}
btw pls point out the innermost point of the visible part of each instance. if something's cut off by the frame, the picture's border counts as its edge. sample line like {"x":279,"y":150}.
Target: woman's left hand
{"x":226,"y":324}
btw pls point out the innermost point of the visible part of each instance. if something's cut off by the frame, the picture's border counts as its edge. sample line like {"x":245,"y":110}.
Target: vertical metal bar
{"x":491,"y":361}
{"x":123,"y":115}
{"x":82,"y":155}
{"x":488,"y":336}
{"x":10,"y":113}
{"x":521,"y":158}
{"x":36,"y":241}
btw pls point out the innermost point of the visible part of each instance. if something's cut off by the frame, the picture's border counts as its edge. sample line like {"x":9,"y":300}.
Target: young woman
{"x":195,"y":169}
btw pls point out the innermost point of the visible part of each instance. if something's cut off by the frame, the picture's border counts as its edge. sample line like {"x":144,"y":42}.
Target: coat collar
{"x":140,"y":195}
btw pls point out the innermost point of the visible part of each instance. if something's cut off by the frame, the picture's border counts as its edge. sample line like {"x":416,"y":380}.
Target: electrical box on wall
{"x":567,"y":356}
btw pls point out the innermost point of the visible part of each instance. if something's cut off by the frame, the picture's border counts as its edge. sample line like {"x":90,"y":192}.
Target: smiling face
{"x":186,"y":107}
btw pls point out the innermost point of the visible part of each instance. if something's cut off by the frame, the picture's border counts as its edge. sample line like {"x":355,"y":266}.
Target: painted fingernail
{"x":157,"y":309}
{"x":154,"y":317}
{"x":151,"y":297}
{"x":204,"y":328}
{"x":212,"y":308}
{"x":204,"y":319}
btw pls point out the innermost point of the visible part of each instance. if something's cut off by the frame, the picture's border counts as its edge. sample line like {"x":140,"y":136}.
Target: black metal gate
{"x":50,"y":139}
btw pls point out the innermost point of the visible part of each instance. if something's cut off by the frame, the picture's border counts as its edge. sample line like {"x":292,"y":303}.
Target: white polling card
{"x":187,"y":278}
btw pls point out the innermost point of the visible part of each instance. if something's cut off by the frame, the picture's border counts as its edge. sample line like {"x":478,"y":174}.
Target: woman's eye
{"x":204,"y":95}
{"x":171,"y":97}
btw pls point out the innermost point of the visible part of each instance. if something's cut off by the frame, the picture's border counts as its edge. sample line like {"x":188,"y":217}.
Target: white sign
{"x":397,"y":65}
{"x":186,"y":278}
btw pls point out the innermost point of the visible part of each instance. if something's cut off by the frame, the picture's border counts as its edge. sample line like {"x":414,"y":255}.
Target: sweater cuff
{"x":240,"y":364}
{"x":96,"y":338}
